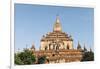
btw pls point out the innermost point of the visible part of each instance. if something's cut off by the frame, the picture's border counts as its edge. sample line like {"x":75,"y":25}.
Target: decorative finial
{"x":57,"y":25}
{"x":79,"y":46}
{"x":33,"y":47}
{"x":57,"y":19}
{"x":90,"y":49}
{"x":85,"y":48}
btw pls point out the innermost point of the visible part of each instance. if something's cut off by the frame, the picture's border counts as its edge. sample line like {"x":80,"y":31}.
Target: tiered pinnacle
{"x":57,"y":25}
{"x":57,"y":33}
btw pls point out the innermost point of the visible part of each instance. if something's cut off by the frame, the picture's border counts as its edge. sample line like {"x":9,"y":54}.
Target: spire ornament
{"x":79,"y":46}
{"x":57,"y":25}
{"x":85,"y":50}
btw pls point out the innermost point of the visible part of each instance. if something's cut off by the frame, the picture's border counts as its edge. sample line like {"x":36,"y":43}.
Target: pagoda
{"x":57,"y":39}
{"x":57,"y":46}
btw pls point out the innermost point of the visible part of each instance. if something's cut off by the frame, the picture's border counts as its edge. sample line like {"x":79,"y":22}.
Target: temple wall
{"x":66,"y":43}
{"x":62,"y":46}
{"x":70,"y":43}
{"x":43,"y":44}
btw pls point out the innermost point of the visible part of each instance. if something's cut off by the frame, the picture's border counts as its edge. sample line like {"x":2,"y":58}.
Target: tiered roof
{"x":57,"y":33}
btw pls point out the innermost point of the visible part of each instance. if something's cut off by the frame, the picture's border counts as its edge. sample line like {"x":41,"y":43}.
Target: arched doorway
{"x":57,"y":46}
{"x":46,"y":48}
{"x":67,"y":46}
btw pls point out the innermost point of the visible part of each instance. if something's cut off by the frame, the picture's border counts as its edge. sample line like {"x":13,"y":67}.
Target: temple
{"x":57,"y":46}
{"x":57,"y":39}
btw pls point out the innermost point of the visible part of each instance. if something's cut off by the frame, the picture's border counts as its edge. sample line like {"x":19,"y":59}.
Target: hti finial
{"x":57,"y":19}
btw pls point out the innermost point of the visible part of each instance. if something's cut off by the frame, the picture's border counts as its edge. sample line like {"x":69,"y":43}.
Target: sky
{"x":31,"y":22}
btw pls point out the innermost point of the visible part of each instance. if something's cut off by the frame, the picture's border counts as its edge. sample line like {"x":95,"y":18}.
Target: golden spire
{"x":57,"y":25}
{"x":57,"y":19}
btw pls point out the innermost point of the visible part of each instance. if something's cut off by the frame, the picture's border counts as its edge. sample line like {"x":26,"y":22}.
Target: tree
{"x":41,"y":59}
{"x":18,"y":60}
{"x":25,"y":57}
{"x":88,"y":56}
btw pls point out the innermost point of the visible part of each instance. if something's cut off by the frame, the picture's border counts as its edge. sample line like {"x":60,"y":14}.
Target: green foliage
{"x":25,"y":57}
{"x":88,"y":56}
{"x":41,"y":59}
{"x":18,"y":60}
